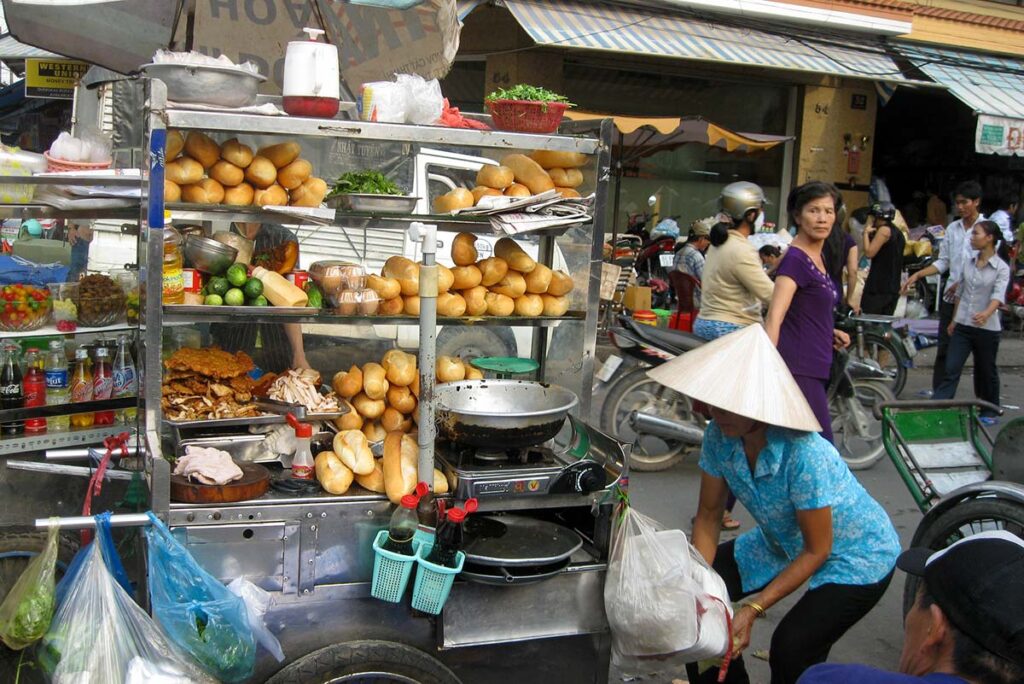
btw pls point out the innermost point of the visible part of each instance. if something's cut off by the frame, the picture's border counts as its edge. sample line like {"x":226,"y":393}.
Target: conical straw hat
{"x":743,"y":373}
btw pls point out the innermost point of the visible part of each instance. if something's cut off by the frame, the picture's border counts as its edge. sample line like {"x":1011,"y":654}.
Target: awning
{"x":11,"y":50}
{"x":641,"y":137}
{"x":597,"y":26}
{"x":992,"y":86}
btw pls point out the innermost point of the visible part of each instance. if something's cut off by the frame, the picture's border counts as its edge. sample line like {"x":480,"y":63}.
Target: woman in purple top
{"x":800,"y":318}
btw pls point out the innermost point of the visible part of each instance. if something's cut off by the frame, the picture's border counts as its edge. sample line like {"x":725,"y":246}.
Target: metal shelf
{"x":223,"y":314}
{"x":117,"y":180}
{"x":20,"y":444}
{"x":51,"y":331}
{"x":68,"y":409}
{"x":45,"y":211}
{"x":364,"y":130}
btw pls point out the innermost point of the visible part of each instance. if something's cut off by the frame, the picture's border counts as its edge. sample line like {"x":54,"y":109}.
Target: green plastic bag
{"x":26,"y":612}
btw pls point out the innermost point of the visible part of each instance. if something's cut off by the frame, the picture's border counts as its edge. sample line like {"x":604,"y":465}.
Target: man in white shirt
{"x":1003,"y":216}
{"x":954,"y":254}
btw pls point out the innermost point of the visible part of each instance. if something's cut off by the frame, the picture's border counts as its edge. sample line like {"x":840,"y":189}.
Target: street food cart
{"x":533,"y":609}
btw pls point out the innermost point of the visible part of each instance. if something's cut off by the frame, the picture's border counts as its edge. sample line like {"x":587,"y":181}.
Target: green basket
{"x":433,"y":582}
{"x":391,"y":570}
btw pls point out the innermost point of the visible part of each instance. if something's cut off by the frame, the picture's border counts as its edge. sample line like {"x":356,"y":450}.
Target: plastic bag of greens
{"x":105,"y":540}
{"x":26,"y":612}
{"x":100,"y":636}
{"x":197,"y":611}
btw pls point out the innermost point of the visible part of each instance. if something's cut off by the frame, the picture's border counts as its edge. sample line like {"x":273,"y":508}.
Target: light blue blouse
{"x":801,"y":471}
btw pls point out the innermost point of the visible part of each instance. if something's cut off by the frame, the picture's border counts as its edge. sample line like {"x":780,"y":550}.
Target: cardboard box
{"x":637,"y":298}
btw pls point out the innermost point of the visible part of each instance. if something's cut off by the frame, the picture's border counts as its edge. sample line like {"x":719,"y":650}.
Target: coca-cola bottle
{"x":34,"y":388}
{"x":11,"y":395}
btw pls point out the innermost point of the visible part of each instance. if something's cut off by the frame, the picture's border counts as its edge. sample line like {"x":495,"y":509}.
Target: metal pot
{"x":508,"y":414}
{"x":202,"y":84}
{"x":208,"y":256}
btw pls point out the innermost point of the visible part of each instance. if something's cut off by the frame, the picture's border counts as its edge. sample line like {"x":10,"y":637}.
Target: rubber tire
{"x":24,"y":539}
{"x":470,"y":342}
{"x":619,"y":389}
{"x":937,"y":535}
{"x":896,"y":351}
{"x":869,"y":458}
{"x":372,"y":657}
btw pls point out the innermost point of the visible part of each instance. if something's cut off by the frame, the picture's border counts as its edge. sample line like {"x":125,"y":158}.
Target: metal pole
{"x":81,"y":522}
{"x":617,"y":170}
{"x":426,"y":235}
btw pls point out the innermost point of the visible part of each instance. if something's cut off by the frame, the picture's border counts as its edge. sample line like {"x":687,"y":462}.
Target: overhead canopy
{"x":992,"y":86}
{"x":586,"y":24}
{"x":644,"y":136}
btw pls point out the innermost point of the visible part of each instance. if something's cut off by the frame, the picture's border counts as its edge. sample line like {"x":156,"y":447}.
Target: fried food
{"x":214,"y":363}
{"x":201,"y":384}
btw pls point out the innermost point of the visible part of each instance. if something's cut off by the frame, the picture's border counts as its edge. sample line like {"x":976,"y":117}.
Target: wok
{"x":501,"y":414}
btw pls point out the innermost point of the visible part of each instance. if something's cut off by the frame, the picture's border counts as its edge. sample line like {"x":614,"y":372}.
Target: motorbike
{"x":663,"y":426}
{"x":876,"y":341}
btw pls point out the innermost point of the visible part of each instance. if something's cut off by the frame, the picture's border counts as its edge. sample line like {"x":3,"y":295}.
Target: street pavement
{"x":671,"y":498}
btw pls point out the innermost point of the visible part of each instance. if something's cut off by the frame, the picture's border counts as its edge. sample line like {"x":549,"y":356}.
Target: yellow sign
{"x":53,"y":78}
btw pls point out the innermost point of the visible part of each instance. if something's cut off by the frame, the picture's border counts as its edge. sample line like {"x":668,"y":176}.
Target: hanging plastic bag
{"x":100,"y":636}
{"x":257,"y":603}
{"x":197,"y":611}
{"x":27,"y":610}
{"x":105,"y":540}
{"x":660,"y":597}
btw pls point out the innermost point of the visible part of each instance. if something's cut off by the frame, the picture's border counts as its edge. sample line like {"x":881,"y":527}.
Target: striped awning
{"x":593,"y":25}
{"x":988,"y":84}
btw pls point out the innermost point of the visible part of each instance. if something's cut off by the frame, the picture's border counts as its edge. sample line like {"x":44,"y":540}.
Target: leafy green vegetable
{"x":316,"y":297}
{"x":527,"y":92}
{"x":27,"y":610}
{"x":364,"y":183}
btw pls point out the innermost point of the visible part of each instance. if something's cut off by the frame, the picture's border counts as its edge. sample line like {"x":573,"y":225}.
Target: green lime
{"x":253,"y":288}
{"x":213,"y":300}
{"x":234,"y":297}
{"x":237,"y":275}
{"x":218,"y":286}
{"x":259,"y":301}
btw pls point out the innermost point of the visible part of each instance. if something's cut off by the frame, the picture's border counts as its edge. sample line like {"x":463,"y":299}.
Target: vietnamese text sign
{"x":999,"y":135}
{"x":52,"y":78}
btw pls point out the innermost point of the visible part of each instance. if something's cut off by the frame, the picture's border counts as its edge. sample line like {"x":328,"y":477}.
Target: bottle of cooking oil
{"x":173,"y":276}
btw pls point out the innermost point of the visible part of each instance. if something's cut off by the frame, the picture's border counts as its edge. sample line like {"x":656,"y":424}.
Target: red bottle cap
{"x":410,"y":501}
{"x":302,"y":430}
{"x":456,"y":515}
{"x":422,"y":489}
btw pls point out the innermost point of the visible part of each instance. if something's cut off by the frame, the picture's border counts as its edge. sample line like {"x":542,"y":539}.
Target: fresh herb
{"x":527,"y":92}
{"x":364,"y":183}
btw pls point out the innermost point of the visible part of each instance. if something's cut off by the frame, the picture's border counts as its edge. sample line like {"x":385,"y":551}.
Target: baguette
{"x":399,"y":465}
{"x":227,"y":174}
{"x":206,"y":191}
{"x":538,"y":280}
{"x":172,"y":191}
{"x":353,"y":450}
{"x":555,"y":306}
{"x":386,"y":288}
{"x":466,"y":277}
{"x":261,"y":172}
{"x":375,"y":384}
{"x":464,"y":249}
{"x":450,"y":369}
{"x":559,"y":160}
{"x":480,"y":191}
{"x":310,"y":193}
{"x":476,"y":302}
{"x":202,"y":148}
{"x":273,"y":196}
{"x":495,"y":177}
{"x":351,"y":420}
{"x":406,"y":271}
{"x":512,"y":285}
{"x":184,"y":171}
{"x":392,"y":420}
{"x":459,"y":198}
{"x":332,"y":473}
{"x":175,"y":144}
{"x":368,"y":408}
{"x":348,"y":384}
{"x":373,"y":482}
{"x":517,"y":190}
{"x":401,"y":399}
{"x":373,"y":431}
{"x":235,"y":152}
{"x":292,"y":175}
{"x":239,"y":196}
{"x":282,"y":154}
{"x":561,"y":284}
{"x":399,"y":367}
{"x":411,"y":306}
{"x":445,"y":278}
{"x":529,"y":173}
{"x":499,"y":304}
{"x":392,"y":307}
{"x":451,"y":304}
{"x":492,"y":270}
{"x":518,"y":260}
{"x":529,"y":305}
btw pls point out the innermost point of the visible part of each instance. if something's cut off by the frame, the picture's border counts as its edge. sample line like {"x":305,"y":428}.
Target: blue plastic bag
{"x":18,"y":270}
{"x":110,"y":557}
{"x":197,"y":612}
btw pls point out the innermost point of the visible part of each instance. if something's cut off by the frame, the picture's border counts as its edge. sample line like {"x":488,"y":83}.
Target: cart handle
{"x":926,"y":404}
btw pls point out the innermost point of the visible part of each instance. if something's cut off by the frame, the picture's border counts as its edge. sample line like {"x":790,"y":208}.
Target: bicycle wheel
{"x":855,"y":431}
{"x":960,"y":521}
{"x":887,"y":356}
{"x":634,"y":391}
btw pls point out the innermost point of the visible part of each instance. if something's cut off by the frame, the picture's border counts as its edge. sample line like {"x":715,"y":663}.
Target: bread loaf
{"x":373,"y":482}
{"x":464,"y":249}
{"x":561,"y":284}
{"x":374,"y":431}
{"x":555,"y":306}
{"x":406,"y":271}
{"x":459,"y":198}
{"x":495,"y":177}
{"x":561,"y":160}
{"x":399,"y":367}
{"x":351,"y":420}
{"x":368,"y":408}
{"x":375,"y":383}
{"x":499,"y":304}
{"x":528,"y":172}
{"x":401,"y":399}
{"x":567,"y":193}
{"x":573,"y":177}
{"x":310,"y":193}
{"x":332,"y":474}
{"x":412,"y":305}
{"x":512,"y":285}
{"x":386,"y":288}
{"x":274,"y":196}
{"x":202,"y":148}
{"x":236,"y":153}
{"x":450,"y":369}
{"x":558,"y":176}
{"x":261,"y":172}
{"x":517,"y":190}
{"x":476,"y":304}
{"x":393,"y":420}
{"x":450,"y":304}
{"x":175,"y":144}
{"x":481,"y":191}
{"x":172,"y":191}
{"x":400,"y":464}
{"x":227,"y":174}
{"x":282,"y":154}
{"x":348,"y":384}
{"x":354,"y":451}
{"x":445,"y":278}
{"x":466,"y":277}
{"x":184,"y":171}
{"x":529,"y":305}
{"x":206,"y":191}
{"x":511,"y":252}
{"x":392,"y":307}
{"x":492,"y":270}
{"x":538,"y":280}
{"x":292,"y":175}
{"x":239,"y":196}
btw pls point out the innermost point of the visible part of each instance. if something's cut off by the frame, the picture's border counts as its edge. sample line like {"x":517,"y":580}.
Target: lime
{"x":218,"y":286}
{"x":237,"y":275}
{"x":253,"y":288}
{"x":213,"y":300}
{"x":259,"y":301}
{"x":234,"y":297}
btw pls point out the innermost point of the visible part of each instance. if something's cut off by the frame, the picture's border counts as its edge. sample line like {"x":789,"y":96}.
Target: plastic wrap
{"x":409,"y":99}
{"x":197,"y":611}
{"x":27,"y":609}
{"x":100,"y":636}
{"x":257,"y":603}
{"x":199,"y":59}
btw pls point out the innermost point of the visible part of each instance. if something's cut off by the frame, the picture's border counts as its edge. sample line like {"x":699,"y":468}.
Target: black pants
{"x":984,"y":345}
{"x":806,"y":633}
{"x":945,"y":318}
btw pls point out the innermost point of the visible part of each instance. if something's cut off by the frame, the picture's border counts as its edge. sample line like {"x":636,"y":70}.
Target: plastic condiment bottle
{"x":278,"y":290}
{"x":302,"y":462}
{"x":403,"y":526}
{"x":173,"y":268}
{"x":449,"y":536}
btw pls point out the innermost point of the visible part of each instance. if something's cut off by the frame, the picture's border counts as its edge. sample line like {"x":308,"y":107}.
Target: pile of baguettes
{"x":200,"y":171}
{"x":520,"y":176}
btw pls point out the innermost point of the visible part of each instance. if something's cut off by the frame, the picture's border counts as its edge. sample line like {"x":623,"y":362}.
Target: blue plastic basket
{"x":433,"y":582}
{"x":391,"y":570}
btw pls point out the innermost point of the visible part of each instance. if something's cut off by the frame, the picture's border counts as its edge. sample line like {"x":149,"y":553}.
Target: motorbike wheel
{"x":634,"y":391}
{"x":963,"y":520}
{"x":855,"y":431}
{"x":888,"y":356}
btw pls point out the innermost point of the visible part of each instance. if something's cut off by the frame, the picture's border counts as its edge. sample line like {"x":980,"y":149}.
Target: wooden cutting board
{"x":254,"y":484}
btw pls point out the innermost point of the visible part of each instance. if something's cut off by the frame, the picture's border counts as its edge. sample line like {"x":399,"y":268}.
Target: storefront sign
{"x":999,"y":135}
{"x":52,"y":78}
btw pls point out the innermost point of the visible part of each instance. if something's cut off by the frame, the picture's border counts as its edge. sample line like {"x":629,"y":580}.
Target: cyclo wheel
{"x":889,"y":357}
{"x":635,"y":391}
{"x":366,"y":662}
{"x":963,"y":520}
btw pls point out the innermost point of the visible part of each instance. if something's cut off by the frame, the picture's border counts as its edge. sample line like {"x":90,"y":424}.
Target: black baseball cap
{"x":978,"y":582}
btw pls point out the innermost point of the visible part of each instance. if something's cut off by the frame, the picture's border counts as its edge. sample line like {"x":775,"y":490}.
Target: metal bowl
{"x":211,"y":85}
{"x":506,"y":414}
{"x":208,"y":256}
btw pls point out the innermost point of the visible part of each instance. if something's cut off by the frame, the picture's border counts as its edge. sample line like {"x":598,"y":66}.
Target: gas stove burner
{"x":490,"y":457}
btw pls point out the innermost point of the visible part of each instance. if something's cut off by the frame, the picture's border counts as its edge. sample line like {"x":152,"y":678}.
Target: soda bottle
{"x":102,"y":384}
{"x":57,"y":393}
{"x":81,"y":387}
{"x":126,"y":382}
{"x":404,"y":522}
{"x":34,"y":388}
{"x":11,"y":396}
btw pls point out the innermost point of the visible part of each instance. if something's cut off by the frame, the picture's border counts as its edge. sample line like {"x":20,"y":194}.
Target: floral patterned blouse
{"x":799,"y":471}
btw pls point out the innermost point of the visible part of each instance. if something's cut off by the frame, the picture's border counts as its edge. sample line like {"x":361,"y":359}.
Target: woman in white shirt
{"x":976,"y":326}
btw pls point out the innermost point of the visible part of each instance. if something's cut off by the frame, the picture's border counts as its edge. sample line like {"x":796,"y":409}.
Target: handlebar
{"x":927,"y":404}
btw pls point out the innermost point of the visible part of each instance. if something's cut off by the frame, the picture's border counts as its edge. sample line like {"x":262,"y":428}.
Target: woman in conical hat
{"x":814,"y":520}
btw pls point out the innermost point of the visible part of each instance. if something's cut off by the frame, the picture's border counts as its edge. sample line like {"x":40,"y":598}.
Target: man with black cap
{"x":967,"y":624}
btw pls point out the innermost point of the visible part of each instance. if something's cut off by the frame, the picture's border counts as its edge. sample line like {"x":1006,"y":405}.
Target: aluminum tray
{"x":202,"y":309}
{"x":379,"y":204}
{"x":266,"y":419}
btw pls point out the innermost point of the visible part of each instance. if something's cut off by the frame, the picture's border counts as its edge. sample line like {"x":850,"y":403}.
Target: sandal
{"x":730,"y":523}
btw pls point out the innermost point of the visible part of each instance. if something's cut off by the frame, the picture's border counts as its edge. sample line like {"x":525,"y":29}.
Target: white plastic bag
{"x":424,"y":99}
{"x":660,"y":596}
{"x":257,"y":603}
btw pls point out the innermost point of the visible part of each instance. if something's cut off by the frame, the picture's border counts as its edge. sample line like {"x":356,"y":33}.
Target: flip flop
{"x":730,"y":523}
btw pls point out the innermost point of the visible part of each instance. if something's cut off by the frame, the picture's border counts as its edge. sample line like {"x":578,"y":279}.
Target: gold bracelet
{"x":758,"y":609}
